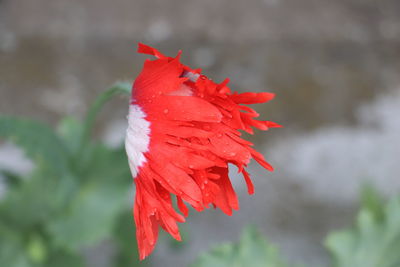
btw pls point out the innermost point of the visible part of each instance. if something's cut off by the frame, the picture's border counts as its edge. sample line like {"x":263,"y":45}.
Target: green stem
{"x":116,"y":89}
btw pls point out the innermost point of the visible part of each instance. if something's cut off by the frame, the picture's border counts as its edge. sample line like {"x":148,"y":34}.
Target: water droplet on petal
{"x":166,"y":111}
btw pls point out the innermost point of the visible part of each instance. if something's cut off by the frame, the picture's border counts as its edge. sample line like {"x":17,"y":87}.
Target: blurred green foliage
{"x":251,"y":250}
{"x":374,"y":241}
{"x":78,"y":195}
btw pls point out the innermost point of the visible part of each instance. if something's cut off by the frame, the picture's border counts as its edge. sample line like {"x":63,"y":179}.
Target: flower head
{"x":183,"y":132}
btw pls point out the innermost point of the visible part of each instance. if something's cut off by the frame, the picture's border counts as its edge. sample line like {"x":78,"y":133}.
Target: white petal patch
{"x":137,"y":138}
{"x":191,"y":75}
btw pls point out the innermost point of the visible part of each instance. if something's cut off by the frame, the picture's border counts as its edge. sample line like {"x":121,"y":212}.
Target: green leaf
{"x":373,"y":242}
{"x":372,"y":201}
{"x":107,"y":165}
{"x":93,"y":211}
{"x":91,"y":218}
{"x":36,"y":200}
{"x":70,"y":130}
{"x":251,"y":250}
{"x":39,"y":141}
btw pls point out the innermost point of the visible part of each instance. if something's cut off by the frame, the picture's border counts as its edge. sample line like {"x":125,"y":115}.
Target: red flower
{"x":183,"y":131}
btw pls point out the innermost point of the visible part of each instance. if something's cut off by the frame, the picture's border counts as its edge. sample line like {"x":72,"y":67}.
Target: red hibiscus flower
{"x":183,"y":132}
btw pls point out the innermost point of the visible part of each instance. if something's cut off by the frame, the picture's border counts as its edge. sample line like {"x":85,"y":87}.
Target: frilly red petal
{"x":195,"y":128}
{"x":145,"y":49}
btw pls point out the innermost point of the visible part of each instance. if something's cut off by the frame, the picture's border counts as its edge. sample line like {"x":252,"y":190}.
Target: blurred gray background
{"x":334,"y":66}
